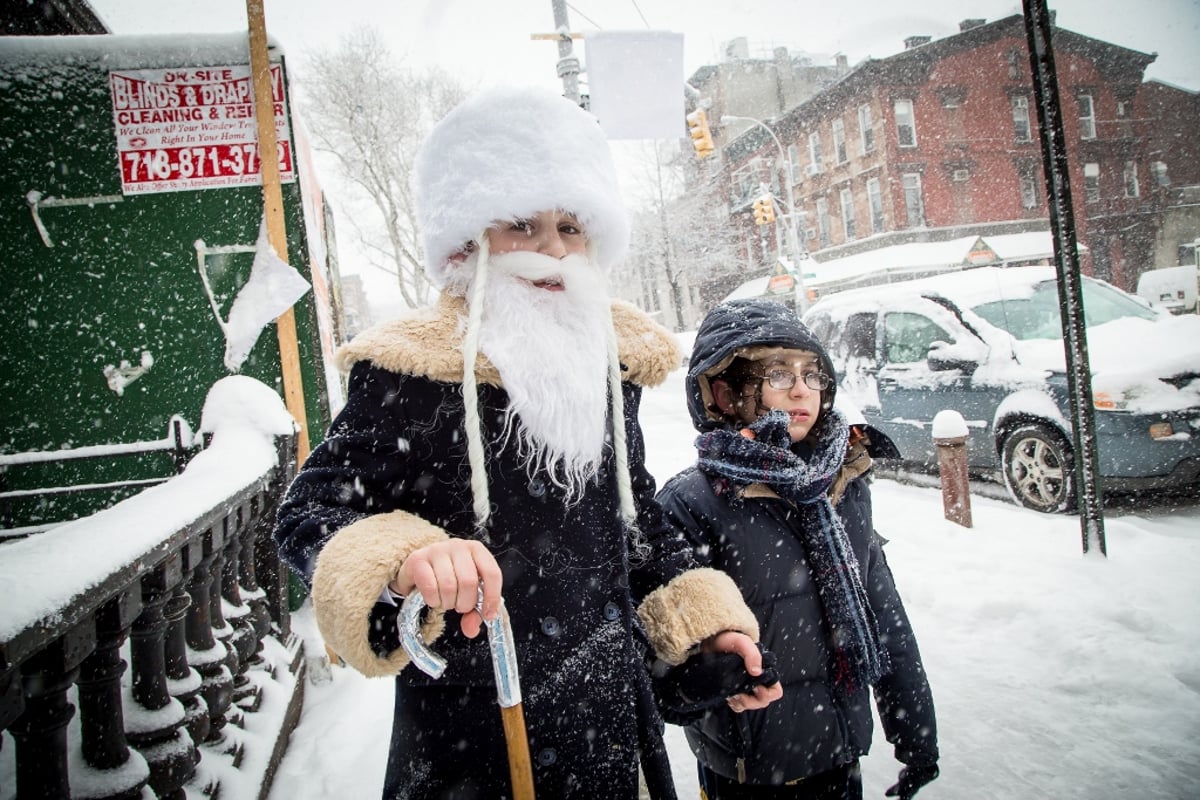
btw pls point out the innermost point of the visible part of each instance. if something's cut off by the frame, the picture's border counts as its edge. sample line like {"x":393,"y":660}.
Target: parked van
{"x":1170,"y":288}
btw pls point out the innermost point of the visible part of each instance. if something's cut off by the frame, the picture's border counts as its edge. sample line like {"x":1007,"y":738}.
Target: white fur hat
{"x":505,"y":154}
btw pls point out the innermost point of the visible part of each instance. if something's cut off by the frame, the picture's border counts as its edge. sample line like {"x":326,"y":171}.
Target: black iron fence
{"x":201,"y":617}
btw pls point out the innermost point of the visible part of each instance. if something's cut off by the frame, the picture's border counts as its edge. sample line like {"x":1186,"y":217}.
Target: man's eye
{"x":522,"y":225}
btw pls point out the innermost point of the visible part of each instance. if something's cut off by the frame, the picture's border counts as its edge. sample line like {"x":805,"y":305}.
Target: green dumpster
{"x":130,"y":212}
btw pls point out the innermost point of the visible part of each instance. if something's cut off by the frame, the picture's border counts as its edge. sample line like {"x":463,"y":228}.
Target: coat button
{"x":547,"y":756}
{"x":550,"y":626}
{"x":612,"y":611}
{"x":537,"y":487}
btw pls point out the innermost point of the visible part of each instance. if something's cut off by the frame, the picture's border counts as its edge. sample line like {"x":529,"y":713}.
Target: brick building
{"x":941,"y":141}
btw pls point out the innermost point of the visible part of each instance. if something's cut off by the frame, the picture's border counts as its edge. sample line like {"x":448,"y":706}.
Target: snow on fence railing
{"x":179,"y":442}
{"x":183,"y":583}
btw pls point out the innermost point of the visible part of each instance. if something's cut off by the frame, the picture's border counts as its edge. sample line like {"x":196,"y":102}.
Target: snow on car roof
{"x":966,"y":288}
{"x":1127,"y":356}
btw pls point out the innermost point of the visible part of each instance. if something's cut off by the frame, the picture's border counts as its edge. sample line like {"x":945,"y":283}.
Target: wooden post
{"x":268,"y":146}
{"x":950,"y":436}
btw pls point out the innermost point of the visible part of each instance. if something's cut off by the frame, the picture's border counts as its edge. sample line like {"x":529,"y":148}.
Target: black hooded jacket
{"x":814,"y":727}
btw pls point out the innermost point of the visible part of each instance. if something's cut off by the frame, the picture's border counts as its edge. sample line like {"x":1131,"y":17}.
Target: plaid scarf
{"x":763,"y":454}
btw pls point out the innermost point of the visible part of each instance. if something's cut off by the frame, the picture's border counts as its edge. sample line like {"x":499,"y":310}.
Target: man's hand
{"x":743,"y":645}
{"x":448,"y":575}
{"x":911,"y":781}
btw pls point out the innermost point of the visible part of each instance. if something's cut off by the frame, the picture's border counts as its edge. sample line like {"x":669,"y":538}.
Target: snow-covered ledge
{"x":175,"y":565}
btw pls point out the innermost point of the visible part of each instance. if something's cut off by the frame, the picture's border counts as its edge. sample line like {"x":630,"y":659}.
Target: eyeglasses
{"x":782,"y":379}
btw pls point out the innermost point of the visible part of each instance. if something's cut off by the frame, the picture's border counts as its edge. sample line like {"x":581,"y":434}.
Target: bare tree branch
{"x":370,"y":111}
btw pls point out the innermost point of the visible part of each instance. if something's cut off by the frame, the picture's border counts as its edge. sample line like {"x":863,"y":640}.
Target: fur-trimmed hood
{"x":428,"y":342}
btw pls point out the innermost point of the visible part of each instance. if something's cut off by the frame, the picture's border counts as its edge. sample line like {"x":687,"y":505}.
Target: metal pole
{"x":568,"y":64}
{"x":1066,"y":261}
{"x":795,"y":250}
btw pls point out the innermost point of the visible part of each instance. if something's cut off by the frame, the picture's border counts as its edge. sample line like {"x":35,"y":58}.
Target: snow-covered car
{"x":988,"y":343}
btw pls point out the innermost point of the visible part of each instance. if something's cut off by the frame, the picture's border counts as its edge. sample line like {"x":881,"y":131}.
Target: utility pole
{"x":568,"y":64}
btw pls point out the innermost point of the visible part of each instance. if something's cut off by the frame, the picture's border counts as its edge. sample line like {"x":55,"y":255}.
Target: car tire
{"x":1039,"y":468}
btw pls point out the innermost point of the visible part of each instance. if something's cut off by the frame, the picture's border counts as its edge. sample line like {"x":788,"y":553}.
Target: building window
{"x":1029,"y":192}
{"x":1087,"y":117}
{"x":914,"y":206}
{"x":1158,"y":171}
{"x":1188,"y":254}
{"x":866,"y":132}
{"x":906,"y":123}
{"x":839,"y":141}
{"x":1020,"y":116}
{"x":1131,"y":180}
{"x":848,"y":213}
{"x":794,"y":159}
{"x":1013,"y":57}
{"x":1091,"y":182}
{"x":814,"y":153}
{"x":952,"y":96}
{"x":875,"y":201}
{"x":823,"y":239}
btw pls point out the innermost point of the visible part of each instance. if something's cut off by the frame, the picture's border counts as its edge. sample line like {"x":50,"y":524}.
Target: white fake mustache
{"x":535,"y":268}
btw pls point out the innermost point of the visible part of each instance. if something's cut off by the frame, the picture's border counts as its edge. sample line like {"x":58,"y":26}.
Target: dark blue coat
{"x":813,"y":728}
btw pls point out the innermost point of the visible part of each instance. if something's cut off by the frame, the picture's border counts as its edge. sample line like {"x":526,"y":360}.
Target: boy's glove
{"x":911,"y":780}
{"x":686,"y":691}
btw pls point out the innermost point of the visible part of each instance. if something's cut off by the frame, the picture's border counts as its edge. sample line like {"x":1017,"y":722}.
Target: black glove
{"x":382,"y":634}
{"x":911,"y":780}
{"x":686,"y":691}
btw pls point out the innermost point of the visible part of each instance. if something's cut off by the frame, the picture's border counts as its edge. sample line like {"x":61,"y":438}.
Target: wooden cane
{"x":520,"y":769}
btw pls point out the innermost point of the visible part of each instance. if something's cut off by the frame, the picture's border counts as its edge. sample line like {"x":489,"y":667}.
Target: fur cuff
{"x":694,"y":606}
{"x":352,"y":570}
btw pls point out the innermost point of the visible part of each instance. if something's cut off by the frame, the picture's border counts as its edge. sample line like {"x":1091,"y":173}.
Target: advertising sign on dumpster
{"x":193,"y":128}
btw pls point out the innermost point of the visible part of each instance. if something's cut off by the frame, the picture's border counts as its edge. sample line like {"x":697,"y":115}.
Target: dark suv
{"x":988,"y":343}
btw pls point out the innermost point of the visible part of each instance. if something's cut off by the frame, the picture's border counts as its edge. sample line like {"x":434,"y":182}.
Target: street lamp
{"x":795,"y":249}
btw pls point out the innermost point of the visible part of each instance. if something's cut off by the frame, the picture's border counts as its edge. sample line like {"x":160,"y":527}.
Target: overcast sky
{"x":489,"y":42}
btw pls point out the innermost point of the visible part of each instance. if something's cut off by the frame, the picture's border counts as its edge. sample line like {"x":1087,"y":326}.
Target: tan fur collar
{"x":428,"y":342}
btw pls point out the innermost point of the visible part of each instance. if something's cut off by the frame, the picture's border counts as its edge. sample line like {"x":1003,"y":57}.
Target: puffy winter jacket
{"x":813,"y":728}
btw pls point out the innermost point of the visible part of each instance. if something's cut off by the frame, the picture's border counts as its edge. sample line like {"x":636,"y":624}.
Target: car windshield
{"x":1038,"y":316}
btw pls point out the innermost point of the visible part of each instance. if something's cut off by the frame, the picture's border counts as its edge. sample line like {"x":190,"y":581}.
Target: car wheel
{"x":1039,"y":469}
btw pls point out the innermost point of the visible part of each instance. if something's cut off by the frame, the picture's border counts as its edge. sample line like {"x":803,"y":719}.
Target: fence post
{"x":950,"y":435}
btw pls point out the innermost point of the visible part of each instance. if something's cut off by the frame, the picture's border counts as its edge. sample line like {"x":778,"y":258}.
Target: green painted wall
{"x":121,"y":278}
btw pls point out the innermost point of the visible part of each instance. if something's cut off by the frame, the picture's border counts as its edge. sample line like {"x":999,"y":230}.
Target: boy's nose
{"x":551,"y":244}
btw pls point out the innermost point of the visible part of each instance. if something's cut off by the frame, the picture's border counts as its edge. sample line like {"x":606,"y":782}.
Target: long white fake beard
{"x":551,"y":349}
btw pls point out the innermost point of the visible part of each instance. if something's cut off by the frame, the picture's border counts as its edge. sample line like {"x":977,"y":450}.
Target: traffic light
{"x":764,"y":211}
{"x":702,"y":140}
